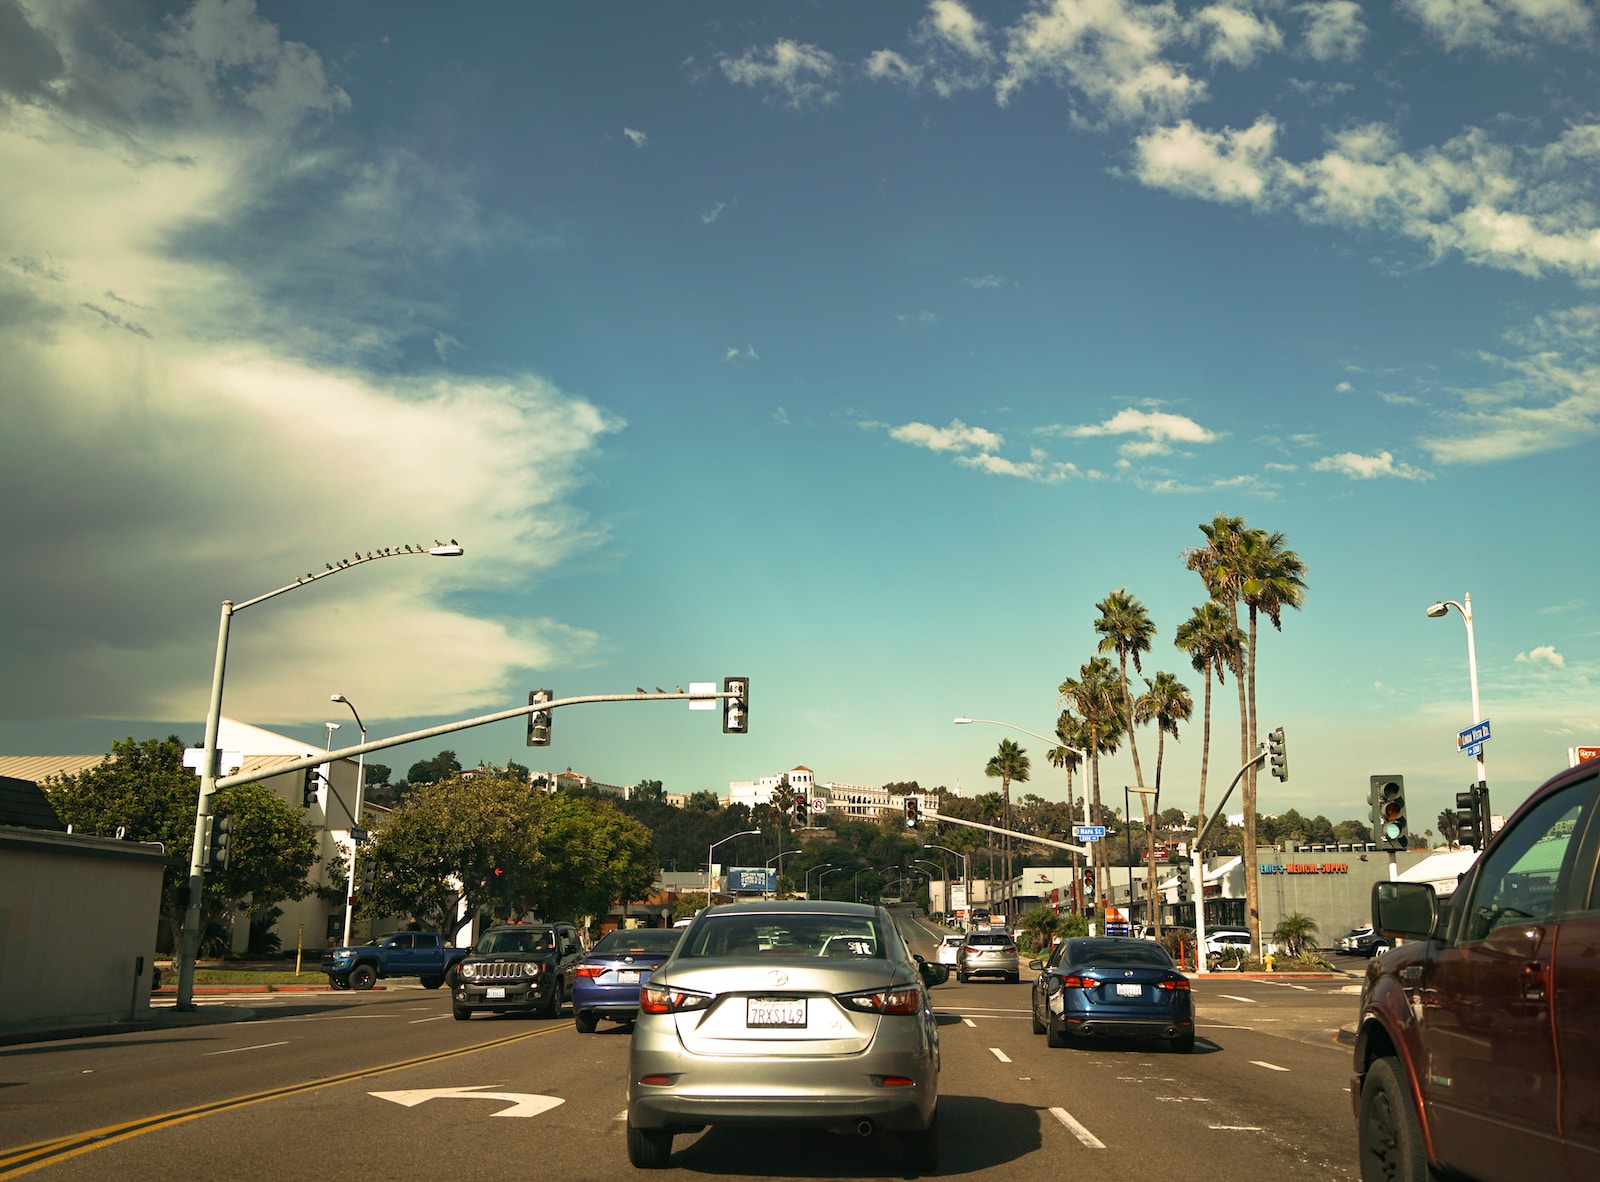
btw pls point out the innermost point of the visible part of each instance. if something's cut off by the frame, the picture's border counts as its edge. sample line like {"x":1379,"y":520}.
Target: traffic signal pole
{"x":1198,"y":869}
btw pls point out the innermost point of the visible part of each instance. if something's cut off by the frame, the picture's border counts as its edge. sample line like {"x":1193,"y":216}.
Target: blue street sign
{"x":1471,"y":740}
{"x":1089,"y":832}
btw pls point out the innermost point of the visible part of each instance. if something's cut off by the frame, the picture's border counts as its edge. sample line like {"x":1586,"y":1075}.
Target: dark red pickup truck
{"x":1478,"y":1050}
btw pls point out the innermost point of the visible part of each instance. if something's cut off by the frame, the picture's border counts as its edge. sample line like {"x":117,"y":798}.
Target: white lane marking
{"x":970,"y":1023}
{"x":999,"y":1054}
{"x":260,"y":1046}
{"x":1236,"y":1128}
{"x":522,"y":1103}
{"x":623,"y":1115}
{"x":1236,"y":997}
{"x":1077,"y":1130}
{"x":1268,"y":1066}
{"x":435,"y":1018}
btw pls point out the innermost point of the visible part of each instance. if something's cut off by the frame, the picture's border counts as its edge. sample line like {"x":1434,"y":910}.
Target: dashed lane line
{"x":999,"y":1054}
{"x":1089,"y":1140}
{"x":260,"y":1046}
{"x":1268,"y":1066}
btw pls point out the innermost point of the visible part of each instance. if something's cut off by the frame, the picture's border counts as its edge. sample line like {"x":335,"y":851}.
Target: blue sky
{"x":858,"y":349}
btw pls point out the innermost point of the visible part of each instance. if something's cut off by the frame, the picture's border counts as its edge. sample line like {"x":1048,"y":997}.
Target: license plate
{"x":628,"y":976}
{"x":495,"y":993}
{"x":771,"y":1012}
{"x":1130,"y":991}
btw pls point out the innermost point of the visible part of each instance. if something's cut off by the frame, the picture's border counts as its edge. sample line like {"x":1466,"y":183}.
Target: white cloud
{"x":955,"y":26}
{"x":1335,"y":30}
{"x":215,"y":409}
{"x":1037,"y":469}
{"x":639,"y":138}
{"x":1497,"y":26}
{"x":1545,"y":654}
{"x":1158,"y":429}
{"x":1361,"y":467}
{"x":1342,"y":387}
{"x":1224,"y":166}
{"x":796,"y":73}
{"x":1110,"y":51}
{"x":748,"y":353}
{"x":712,"y":215}
{"x":923,"y":319}
{"x":987,"y":282}
{"x":956,"y":437}
{"x":1233,"y":34}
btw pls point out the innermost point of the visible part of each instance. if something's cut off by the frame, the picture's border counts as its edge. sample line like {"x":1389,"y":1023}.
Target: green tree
{"x":1208,"y":637}
{"x":650,"y":790}
{"x":1009,"y":763}
{"x":1125,"y":628}
{"x":704,"y":801}
{"x":272,"y":851}
{"x":1039,"y":924}
{"x":431,"y":771}
{"x":1094,"y":695}
{"x":1449,"y":829}
{"x":1296,"y":935}
{"x":1166,"y":702}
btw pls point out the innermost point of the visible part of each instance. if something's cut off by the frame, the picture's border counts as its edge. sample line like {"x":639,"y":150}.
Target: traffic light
{"x":1472,"y":827}
{"x":736,"y":707}
{"x":1183,"y":888}
{"x":539,"y":720}
{"x":1279,"y":754}
{"x":1387,"y":796}
{"x":308,"y":788}
{"x":369,"y":874}
{"x":913,"y":812}
{"x":221,"y":840}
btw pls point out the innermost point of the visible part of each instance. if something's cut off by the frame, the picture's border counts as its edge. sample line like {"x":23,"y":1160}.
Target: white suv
{"x":948,"y":947}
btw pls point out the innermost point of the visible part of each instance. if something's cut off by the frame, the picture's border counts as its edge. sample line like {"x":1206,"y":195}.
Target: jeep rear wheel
{"x":1388,"y":1133}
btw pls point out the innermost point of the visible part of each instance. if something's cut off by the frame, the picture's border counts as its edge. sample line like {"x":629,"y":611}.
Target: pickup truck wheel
{"x":338,"y":982}
{"x":432,"y":982}
{"x":1388,"y":1133}
{"x":363,"y":976}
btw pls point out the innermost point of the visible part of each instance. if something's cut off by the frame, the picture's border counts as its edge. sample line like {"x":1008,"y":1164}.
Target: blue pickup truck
{"x":399,"y":954}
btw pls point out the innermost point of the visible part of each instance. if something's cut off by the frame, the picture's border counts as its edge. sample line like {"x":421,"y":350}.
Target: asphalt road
{"x":385,"y":1085}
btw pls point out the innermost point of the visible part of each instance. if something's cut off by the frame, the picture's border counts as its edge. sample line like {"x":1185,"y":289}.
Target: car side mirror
{"x":1036,"y":965}
{"x":1407,"y":909}
{"x":932,"y":974}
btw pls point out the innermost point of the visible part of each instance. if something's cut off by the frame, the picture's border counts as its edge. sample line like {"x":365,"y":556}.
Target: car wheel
{"x":432,"y":982}
{"x":338,"y":982}
{"x":585,"y":1021}
{"x":1013,"y":978}
{"x":1388,"y":1133}
{"x":1055,"y":1033}
{"x":1038,"y":1026}
{"x":552,"y":1008}
{"x":363,"y":976}
{"x":1184,"y":1043}
{"x":461,"y":1014}
{"x":649,"y":1149}
{"x":919,"y":1151}
{"x":960,"y":976}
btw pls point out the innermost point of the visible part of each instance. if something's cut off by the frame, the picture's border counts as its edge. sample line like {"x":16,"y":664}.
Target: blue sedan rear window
{"x":1117,"y":954}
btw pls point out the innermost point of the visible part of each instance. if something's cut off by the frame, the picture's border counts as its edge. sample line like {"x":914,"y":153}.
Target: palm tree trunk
{"x":1205,"y":755}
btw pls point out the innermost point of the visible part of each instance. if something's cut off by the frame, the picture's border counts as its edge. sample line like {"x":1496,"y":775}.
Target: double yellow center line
{"x":15,"y":1162}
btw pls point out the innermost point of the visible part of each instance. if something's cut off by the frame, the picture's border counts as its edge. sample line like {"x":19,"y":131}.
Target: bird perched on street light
{"x":639,"y":689}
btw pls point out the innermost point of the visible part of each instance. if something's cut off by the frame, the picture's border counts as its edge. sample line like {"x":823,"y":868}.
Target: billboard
{"x":759,"y":880}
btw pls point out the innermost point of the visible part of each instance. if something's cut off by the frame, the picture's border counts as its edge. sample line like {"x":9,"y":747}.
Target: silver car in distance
{"x":786,"y":1014}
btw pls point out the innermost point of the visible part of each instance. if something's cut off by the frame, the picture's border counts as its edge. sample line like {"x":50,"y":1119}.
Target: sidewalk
{"x":166,"y":1018}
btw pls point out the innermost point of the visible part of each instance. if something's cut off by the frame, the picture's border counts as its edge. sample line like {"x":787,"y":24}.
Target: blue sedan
{"x":608,"y":980}
{"x":1106,"y":987}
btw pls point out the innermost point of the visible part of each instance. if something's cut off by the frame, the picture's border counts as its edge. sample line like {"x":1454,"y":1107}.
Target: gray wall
{"x":76,"y":915}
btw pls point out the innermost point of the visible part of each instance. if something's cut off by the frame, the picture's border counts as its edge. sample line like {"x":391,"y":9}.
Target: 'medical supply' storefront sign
{"x":1308,"y":868}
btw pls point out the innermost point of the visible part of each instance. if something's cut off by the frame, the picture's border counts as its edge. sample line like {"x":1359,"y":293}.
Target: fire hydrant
{"x":1268,"y":960}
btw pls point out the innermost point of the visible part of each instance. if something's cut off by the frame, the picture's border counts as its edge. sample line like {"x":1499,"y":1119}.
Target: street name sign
{"x":1471,"y":740}
{"x":1089,"y":832}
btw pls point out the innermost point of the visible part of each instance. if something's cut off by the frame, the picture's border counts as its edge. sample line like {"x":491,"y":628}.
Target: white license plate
{"x":1130,"y":991}
{"x":495,"y":993}
{"x":770,"y":1012}
{"x":628,"y":976}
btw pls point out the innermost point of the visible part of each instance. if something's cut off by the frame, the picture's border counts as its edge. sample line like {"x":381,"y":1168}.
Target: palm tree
{"x":1252,"y":567}
{"x":1207,"y":636}
{"x":1094,"y":695}
{"x":1008,"y":764}
{"x":784,"y":799}
{"x":1125,"y":628}
{"x":1070,"y":730}
{"x":1167,"y":702}
{"x":1295,"y":935}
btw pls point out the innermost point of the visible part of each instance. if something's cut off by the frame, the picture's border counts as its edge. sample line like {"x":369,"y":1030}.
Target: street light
{"x":355,"y":816}
{"x":714,"y":845}
{"x":966,"y":876}
{"x":210,"y":770}
{"x":1078,"y":751}
{"x":825,"y":873}
{"x":814,"y":870}
{"x":778,"y":858}
{"x":1439,"y":611}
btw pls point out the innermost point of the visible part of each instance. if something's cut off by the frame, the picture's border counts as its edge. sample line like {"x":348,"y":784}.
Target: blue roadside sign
{"x":1471,"y":740}
{"x":1089,"y":832}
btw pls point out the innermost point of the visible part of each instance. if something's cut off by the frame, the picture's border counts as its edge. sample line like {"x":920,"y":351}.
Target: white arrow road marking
{"x":522,"y":1103}
{"x":1268,"y":1066}
{"x":1077,"y":1130}
{"x":999,"y":1054}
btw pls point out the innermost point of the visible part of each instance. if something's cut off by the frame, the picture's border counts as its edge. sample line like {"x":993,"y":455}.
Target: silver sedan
{"x":786,"y":1014}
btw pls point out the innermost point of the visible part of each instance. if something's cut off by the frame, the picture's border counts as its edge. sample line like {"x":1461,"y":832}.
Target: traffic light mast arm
{"x":930,"y":815}
{"x":1261,"y":753}
{"x":322,"y":757}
